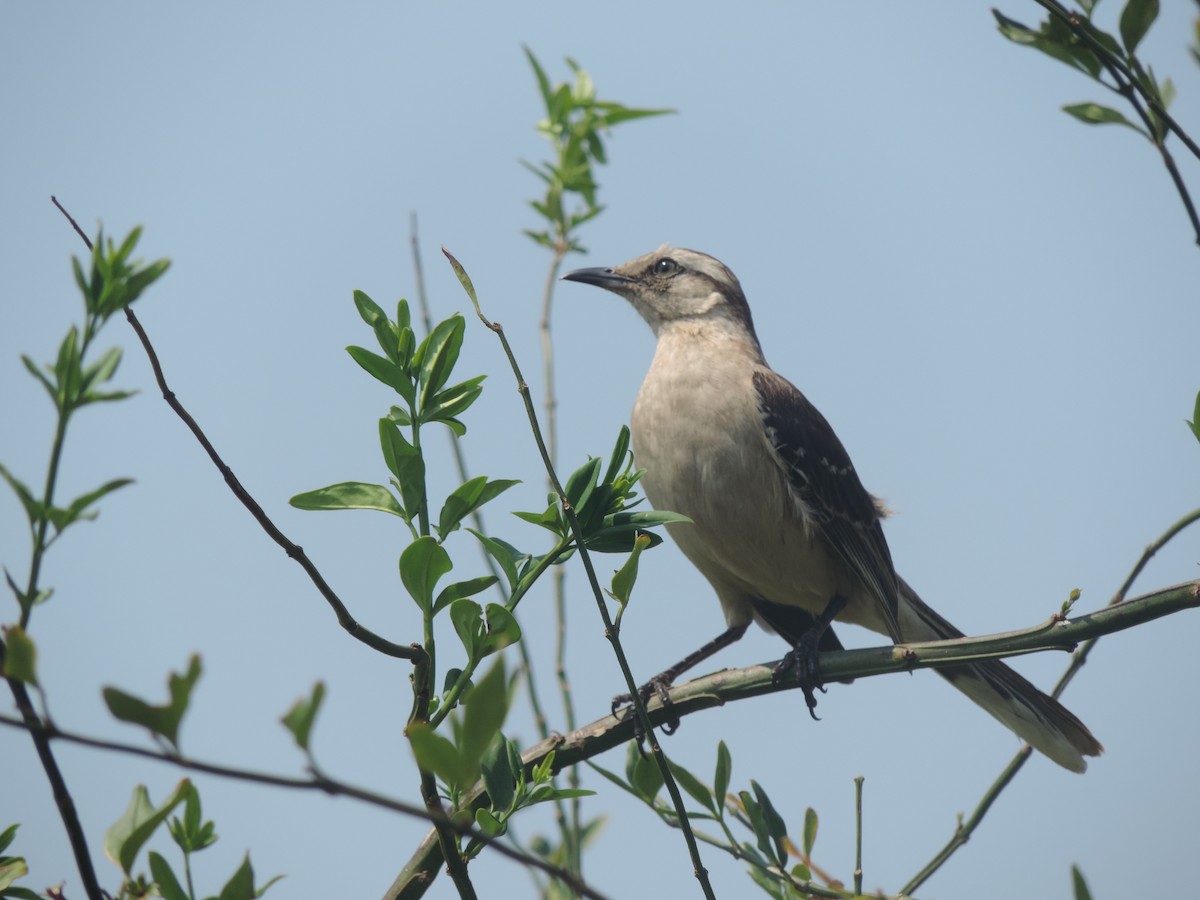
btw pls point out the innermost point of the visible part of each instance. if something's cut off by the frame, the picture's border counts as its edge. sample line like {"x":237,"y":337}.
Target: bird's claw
{"x":803,"y":660}
{"x":658,"y":686}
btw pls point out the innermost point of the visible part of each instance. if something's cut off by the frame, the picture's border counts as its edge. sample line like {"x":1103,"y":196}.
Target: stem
{"x":58,"y":785}
{"x":858,"y":872}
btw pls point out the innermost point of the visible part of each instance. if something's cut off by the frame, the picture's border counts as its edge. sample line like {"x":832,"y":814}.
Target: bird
{"x":781,"y":525}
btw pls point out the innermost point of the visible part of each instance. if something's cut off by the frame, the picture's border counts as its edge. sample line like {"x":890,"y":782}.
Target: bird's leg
{"x":657,"y":686}
{"x":803,"y":657}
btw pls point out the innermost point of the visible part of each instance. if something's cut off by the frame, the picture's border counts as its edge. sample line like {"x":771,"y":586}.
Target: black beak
{"x":607,"y":278}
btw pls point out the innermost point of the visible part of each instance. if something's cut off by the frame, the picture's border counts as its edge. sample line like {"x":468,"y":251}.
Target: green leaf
{"x":1095,"y":114}
{"x":483,"y":714}
{"x":643,"y":774}
{"x":37,"y":373}
{"x":163,"y":720}
{"x":463,"y":278}
{"x":67,"y":372}
{"x":467,"y":618}
{"x":1194,"y":425}
{"x":422,"y":564}
{"x":506,"y":556}
{"x":370,"y":311}
{"x":810,"y":830}
{"x":582,"y":482}
{"x":349,"y":495}
{"x":1080,"y":887}
{"x":693,"y":785}
{"x":722,"y":776}
{"x":61,"y":518}
{"x":20,"y":658}
{"x":775,"y":825}
{"x":168,"y":885}
{"x":453,"y":401}
{"x":436,"y":754}
{"x":300,"y":718}
{"x":382,"y":369}
{"x":240,"y":886}
{"x":103,"y":369}
{"x":467,"y":498}
{"x":1136,"y":19}
{"x":502,"y":630}
{"x":435,"y":358}
{"x":406,"y":463}
{"x":468,"y":588}
{"x":125,"y":837}
{"x":624,"y":579}
{"x":1055,"y":40}
{"x":499,"y":779}
{"x":33,"y":507}
{"x":488,"y":823}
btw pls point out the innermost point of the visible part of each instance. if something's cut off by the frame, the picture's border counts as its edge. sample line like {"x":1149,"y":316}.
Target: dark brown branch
{"x":410,"y":652}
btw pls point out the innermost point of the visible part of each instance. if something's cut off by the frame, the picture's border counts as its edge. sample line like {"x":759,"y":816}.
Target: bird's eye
{"x":666,"y":266}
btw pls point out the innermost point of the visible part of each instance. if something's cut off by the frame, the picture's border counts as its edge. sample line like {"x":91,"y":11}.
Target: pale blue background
{"x":995,"y":306}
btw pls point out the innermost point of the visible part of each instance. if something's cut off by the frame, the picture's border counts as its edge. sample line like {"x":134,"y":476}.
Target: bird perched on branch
{"x":782,"y":527}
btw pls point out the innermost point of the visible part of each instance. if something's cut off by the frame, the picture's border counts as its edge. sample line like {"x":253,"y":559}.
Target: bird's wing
{"x":823,"y":480}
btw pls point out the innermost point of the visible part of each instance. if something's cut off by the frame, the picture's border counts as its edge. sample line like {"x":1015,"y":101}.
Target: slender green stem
{"x":858,"y":872}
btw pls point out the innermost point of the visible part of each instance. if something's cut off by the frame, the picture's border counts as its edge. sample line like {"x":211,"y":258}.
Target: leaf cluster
{"x":1077,"y":41}
{"x":574,"y":125}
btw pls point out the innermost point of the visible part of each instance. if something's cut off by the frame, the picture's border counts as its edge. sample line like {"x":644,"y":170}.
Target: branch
{"x":319,"y":782}
{"x":411,"y":652}
{"x":731,"y":685}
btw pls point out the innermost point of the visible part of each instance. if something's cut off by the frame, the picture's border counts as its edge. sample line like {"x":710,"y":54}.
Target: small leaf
{"x":506,"y":556}
{"x":624,"y":579}
{"x":721,"y":777}
{"x":467,"y":618}
{"x":1080,"y":887}
{"x":483,"y":715}
{"x":810,"y":830}
{"x":6,"y":838}
{"x":776,"y":827}
{"x":168,"y":885}
{"x":436,"y":754}
{"x":37,"y":373}
{"x":300,"y":718}
{"x":162,"y":720}
{"x":467,"y":498}
{"x":368,"y":309}
{"x":240,"y":886}
{"x":382,"y":369}
{"x":33,"y":507}
{"x":349,"y":495}
{"x":499,"y":780}
{"x":20,"y":658}
{"x":1136,"y":19}
{"x":468,"y":588}
{"x":693,"y":785}
{"x":488,"y":823}
{"x":435,"y":358}
{"x":125,"y":837}
{"x":453,"y":401}
{"x":61,"y":518}
{"x":1095,"y":114}
{"x":406,"y":463}
{"x":643,"y":774}
{"x":422,"y":564}
{"x":1194,"y":425}
{"x":502,"y":629}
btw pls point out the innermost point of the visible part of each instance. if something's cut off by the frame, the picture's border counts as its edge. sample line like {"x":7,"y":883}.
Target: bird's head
{"x":674,"y":285}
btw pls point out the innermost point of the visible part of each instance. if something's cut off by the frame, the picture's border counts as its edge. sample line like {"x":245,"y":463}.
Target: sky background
{"x":994,"y":305}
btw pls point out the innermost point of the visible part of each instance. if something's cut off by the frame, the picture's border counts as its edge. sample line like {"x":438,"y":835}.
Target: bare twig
{"x":410,"y":652}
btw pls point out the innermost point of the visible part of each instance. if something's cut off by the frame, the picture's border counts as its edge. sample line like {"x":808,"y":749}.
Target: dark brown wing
{"x":823,"y":479}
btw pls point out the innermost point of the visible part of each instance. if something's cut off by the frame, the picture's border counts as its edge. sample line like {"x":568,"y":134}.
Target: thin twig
{"x":318,"y":782}
{"x":58,"y":786}
{"x":410,"y":652}
{"x":858,"y":872}
{"x":963,"y":832}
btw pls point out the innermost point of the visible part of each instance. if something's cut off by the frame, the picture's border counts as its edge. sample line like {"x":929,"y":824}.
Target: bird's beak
{"x":604,"y":277}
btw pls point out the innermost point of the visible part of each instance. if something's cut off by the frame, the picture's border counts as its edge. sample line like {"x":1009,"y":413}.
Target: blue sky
{"x":993,"y":304}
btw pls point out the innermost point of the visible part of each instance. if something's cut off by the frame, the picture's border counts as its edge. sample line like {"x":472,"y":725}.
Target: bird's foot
{"x":803,"y":660}
{"x":656,"y":687}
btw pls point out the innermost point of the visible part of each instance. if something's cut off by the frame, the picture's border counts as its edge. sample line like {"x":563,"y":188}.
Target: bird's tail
{"x":1033,"y":716}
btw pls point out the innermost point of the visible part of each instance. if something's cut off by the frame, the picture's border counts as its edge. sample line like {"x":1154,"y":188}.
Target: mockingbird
{"x":781,"y":525}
